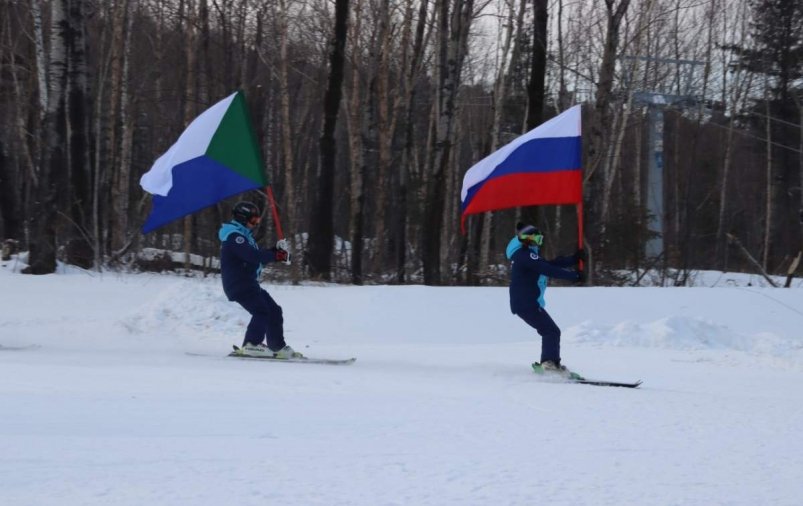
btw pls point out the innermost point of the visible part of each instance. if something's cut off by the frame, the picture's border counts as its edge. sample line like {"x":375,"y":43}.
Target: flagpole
{"x":275,"y":211}
{"x":580,"y":229}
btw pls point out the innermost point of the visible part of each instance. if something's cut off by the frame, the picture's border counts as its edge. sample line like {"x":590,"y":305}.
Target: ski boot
{"x":255,"y":350}
{"x":555,"y":368}
{"x":287,"y":353}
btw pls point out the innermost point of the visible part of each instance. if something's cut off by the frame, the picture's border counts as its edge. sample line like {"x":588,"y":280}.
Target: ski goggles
{"x":531,"y":235}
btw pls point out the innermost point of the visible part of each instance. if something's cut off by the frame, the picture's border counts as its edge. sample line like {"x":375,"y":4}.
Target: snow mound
{"x":188,"y":308}
{"x":679,"y":333}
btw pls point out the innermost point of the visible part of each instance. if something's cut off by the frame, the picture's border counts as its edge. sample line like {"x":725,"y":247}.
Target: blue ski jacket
{"x":241,"y":259}
{"x":529,"y":274}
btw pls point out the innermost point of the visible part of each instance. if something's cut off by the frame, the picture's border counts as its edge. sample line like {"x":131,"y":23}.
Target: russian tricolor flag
{"x":542,"y":166}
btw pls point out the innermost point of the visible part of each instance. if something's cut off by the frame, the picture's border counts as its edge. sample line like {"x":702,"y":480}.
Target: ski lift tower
{"x":669,"y":92}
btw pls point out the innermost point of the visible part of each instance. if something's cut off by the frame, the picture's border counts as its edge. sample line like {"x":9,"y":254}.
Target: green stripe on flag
{"x":234,"y":143}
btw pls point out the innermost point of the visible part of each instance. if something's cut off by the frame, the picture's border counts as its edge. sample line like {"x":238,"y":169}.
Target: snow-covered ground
{"x":101,"y":405}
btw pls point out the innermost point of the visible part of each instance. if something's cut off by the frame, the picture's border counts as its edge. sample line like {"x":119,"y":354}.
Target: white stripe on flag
{"x":566,"y":124}
{"x":192,"y":143}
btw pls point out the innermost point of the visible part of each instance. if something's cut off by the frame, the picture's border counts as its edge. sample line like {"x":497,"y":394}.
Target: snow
{"x":100,"y":404}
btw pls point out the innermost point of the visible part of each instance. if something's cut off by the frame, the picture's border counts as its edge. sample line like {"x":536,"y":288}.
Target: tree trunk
{"x":384,"y":131}
{"x":121,"y":177}
{"x":800,"y":175}
{"x":322,"y":227}
{"x":79,"y":247}
{"x":536,"y":84}
{"x":601,"y":117}
{"x":409,"y":158}
{"x":453,"y":30}
{"x":42,"y":240}
{"x":622,"y":119}
{"x":564,"y":99}
{"x":190,"y":109}
{"x":598,"y":137}
{"x":612,"y":167}
{"x":770,"y":185}
{"x":357,"y":198}
{"x":41,"y":56}
{"x":500,"y":93}
{"x":101,"y":178}
{"x":287,"y":131}
{"x":24,"y":172}
{"x":739,"y":96}
{"x":535,"y":88}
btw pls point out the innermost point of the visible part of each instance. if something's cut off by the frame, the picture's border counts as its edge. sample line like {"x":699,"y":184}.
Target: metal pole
{"x":655,"y":182}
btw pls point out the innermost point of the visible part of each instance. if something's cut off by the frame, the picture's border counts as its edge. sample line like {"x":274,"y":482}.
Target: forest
{"x":369,"y":113}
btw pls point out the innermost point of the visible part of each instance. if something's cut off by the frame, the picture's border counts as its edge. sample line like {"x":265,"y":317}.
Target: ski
{"x":573,"y":377}
{"x":19,"y":348}
{"x":603,"y":383}
{"x":237,"y":353}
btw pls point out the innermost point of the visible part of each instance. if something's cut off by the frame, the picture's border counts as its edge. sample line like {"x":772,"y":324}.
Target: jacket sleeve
{"x":568,"y":261}
{"x":537,"y":264}
{"x":244,"y":251}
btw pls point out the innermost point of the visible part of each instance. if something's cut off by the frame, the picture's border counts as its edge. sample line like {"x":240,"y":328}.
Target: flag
{"x":216,"y":157}
{"x":542,"y":166}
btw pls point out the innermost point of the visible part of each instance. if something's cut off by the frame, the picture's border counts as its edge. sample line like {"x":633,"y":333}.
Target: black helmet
{"x":244,"y":212}
{"x":529,"y":234}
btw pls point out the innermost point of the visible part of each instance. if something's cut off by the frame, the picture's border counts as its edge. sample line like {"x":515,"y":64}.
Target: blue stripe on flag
{"x":551,"y":154}
{"x":197,"y":183}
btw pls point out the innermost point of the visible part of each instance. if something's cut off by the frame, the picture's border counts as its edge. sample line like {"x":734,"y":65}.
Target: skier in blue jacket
{"x":241,"y":261}
{"x":528,"y":281}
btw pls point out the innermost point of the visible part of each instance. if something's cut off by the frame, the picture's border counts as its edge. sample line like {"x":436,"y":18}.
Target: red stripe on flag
{"x":527,"y":189}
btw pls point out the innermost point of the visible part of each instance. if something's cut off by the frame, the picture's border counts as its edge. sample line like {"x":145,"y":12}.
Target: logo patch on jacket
{"x":534,"y":256}
{"x":239,"y":239}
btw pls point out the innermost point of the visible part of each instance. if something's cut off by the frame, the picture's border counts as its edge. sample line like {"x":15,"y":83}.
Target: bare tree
{"x":734,"y":91}
{"x":42,"y":240}
{"x":355,"y":105}
{"x":79,"y":246}
{"x":454,"y":21}
{"x":605,"y":82}
{"x":384,"y":124}
{"x":410,"y":160}
{"x":513,"y":21}
{"x":322,"y":227}
{"x":283,"y":24}
{"x":612,"y":163}
{"x":120,"y":175}
{"x":535,"y":88}
{"x":598,"y":131}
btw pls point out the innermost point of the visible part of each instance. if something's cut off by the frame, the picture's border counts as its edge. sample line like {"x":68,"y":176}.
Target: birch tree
{"x":43,"y":220}
{"x":454,"y":20}
{"x":416,"y":43}
{"x":514,"y":14}
{"x":355,"y":107}
{"x":121,"y":176}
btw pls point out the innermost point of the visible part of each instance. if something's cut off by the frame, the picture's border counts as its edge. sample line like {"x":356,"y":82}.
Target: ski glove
{"x":282,"y":256}
{"x":581,"y":255}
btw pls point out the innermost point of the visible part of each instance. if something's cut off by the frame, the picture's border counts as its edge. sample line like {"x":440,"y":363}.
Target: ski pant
{"x":266,"y":319}
{"x":537,"y":318}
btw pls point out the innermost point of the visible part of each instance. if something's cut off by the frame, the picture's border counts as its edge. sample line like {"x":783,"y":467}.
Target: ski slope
{"x":100,"y":404}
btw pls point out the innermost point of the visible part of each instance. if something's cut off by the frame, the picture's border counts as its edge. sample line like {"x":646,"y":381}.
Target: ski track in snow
{"x":440,"y":408}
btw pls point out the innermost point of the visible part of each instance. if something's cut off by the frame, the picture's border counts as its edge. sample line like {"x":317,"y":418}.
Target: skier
{"x":528,"y":280}
{"x":241,"y":261}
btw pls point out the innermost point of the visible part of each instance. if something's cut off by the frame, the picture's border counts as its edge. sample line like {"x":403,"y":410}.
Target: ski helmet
{"x":246,"y":213}
{"x":529,"y":234}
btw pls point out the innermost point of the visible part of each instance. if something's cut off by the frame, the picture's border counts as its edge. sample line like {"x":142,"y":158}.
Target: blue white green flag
{"x":216,"y":157}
